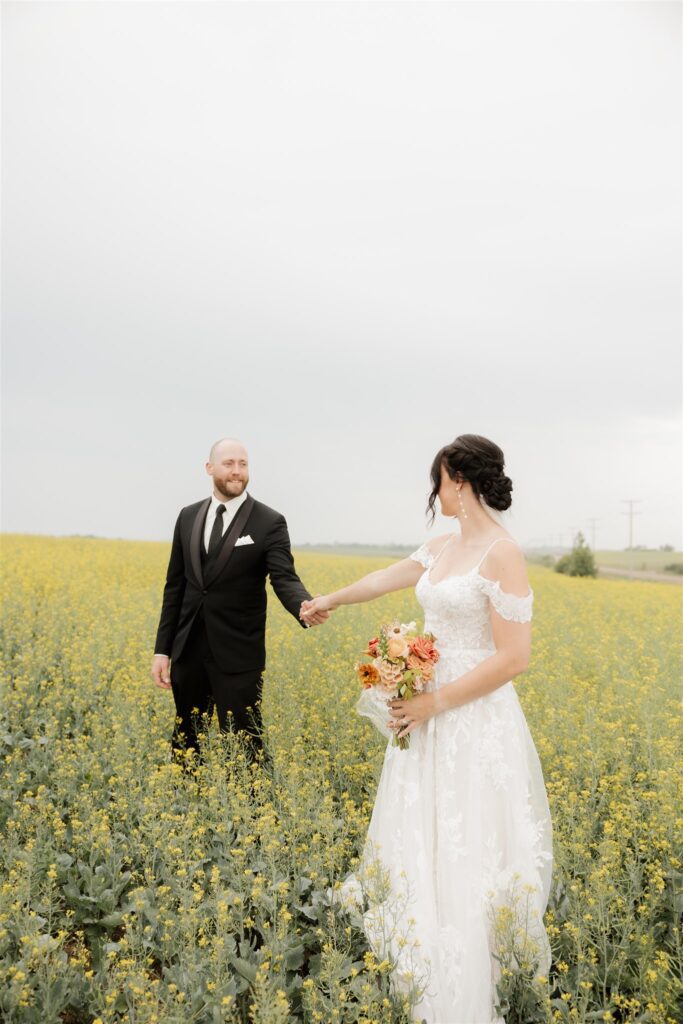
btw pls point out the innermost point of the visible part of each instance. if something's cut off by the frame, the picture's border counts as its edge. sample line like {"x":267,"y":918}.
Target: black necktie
{"x":216,"y":531}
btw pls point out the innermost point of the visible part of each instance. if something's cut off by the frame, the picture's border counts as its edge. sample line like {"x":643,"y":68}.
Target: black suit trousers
{"x":199,"y":683}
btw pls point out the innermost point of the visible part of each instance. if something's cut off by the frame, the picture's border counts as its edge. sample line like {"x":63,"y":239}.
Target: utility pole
{"x":631,"y":513}
{"x":593,"y":530}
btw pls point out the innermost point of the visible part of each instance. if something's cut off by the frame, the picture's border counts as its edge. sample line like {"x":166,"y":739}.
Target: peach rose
{"x":397,"y":647}
{"x":414,"y":663}
{"x":427,"y":671}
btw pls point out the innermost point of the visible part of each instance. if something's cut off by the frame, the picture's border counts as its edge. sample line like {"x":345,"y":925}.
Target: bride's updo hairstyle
{"x":478,"y":461}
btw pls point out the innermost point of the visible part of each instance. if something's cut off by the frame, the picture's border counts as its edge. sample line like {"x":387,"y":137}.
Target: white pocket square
{"x":243,"y":540}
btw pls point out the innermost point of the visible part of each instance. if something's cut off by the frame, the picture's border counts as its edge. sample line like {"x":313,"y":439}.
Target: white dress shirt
{"x":231,"y":508}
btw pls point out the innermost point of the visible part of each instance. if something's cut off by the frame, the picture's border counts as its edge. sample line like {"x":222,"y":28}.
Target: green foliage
{"x":521,"y":986}
{"x":579,"y":561}
{"x":136,"y":892}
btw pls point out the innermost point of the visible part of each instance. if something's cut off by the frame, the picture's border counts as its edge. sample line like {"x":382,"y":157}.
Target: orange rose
{"x":423,"y":648}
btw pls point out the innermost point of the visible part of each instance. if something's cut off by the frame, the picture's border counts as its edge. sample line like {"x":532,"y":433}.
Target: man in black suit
{"x":210,"y":645}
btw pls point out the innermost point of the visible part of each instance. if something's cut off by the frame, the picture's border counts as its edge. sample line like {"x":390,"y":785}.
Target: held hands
{"x":406,"y":714}
{"x":315,"y":612}
{"x":160,"y":671}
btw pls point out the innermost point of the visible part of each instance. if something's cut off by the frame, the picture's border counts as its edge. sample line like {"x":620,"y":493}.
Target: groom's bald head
{"x":229,"y":466}
{"x":219,"y":448}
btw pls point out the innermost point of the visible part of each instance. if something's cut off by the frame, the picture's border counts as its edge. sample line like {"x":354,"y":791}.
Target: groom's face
{"x":230,"y":471}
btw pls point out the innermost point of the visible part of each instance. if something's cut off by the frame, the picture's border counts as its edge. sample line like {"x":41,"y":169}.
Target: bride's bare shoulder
{"x":436,"y":543}
{"x":505,"y":536}
{"x":507,"y":564}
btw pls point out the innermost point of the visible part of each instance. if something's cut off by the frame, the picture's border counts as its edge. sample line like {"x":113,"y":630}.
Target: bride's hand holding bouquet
{"x":406,"y":715}
{"x":406,"y":710}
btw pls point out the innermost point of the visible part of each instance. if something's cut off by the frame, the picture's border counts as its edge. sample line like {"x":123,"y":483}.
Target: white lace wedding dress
{"x":461,"y":821}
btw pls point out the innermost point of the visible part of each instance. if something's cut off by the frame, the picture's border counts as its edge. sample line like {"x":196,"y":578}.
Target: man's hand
{"x":314,"y":612}
{"x":160,"y":671}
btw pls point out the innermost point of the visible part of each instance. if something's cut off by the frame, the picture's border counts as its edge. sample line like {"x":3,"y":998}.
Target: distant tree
{"x":562,"y":565}
{"x":666,"y":547}
{"x":579,"y":561}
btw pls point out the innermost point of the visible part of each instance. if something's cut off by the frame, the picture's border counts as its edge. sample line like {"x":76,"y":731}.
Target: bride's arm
{"x":398,"y":576}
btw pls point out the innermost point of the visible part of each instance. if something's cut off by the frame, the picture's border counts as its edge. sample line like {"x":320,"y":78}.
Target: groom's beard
{"x":231,"y":488}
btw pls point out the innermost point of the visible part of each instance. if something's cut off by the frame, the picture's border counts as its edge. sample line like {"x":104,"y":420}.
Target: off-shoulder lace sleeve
{"x":423,"y":555}
{"x":510,"y":606}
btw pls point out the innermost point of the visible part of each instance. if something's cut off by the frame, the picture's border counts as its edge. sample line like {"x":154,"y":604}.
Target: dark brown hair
{"x":478,"y":461}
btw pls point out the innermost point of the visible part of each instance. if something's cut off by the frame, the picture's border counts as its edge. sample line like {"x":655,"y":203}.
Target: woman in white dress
{"x":461,"y":819}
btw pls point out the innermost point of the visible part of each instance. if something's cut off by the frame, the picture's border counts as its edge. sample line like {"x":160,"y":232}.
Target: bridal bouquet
{"x":401,"y":664}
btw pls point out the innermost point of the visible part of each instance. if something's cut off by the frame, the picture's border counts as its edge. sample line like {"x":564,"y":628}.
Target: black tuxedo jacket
{"x":230,"y":588}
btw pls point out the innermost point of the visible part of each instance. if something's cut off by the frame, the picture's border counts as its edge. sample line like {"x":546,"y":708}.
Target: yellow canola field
{"x":135,"y":891}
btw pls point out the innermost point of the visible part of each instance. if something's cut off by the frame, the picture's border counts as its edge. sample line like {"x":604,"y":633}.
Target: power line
{"x":593,"y":523}
{"x":631,"y":513}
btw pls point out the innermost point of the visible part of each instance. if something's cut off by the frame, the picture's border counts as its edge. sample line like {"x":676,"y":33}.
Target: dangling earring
{"x":463,"y":514}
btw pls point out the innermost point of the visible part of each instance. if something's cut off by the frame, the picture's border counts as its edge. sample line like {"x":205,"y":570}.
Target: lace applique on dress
{"x":509,"y":606}
{"x":423,"y":555}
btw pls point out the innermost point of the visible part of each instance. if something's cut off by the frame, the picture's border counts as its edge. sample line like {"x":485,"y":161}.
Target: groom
{"x":213,"y":615}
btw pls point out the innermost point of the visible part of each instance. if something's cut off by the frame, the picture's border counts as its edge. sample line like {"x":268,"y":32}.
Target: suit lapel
{"x":196,"y":539}
{"x":234,"y":530}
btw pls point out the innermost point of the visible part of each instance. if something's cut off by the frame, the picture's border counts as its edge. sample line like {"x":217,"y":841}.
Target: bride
{"x":461,"y":824}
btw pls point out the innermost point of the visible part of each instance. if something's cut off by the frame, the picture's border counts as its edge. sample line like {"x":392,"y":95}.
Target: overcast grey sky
{"x":345,"y":233}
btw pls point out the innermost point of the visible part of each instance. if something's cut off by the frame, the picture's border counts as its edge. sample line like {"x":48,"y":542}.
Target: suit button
{"x":204,"y":591}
